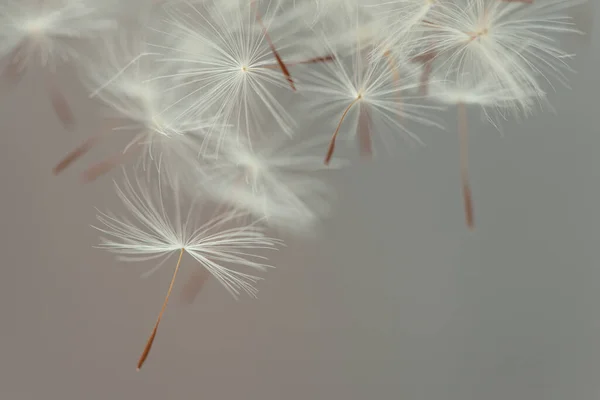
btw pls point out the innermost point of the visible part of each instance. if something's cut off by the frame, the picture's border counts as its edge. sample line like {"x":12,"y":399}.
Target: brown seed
{"x":61,"y":106}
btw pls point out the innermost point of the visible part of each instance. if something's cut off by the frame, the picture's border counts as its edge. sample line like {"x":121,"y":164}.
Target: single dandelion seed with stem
{"x":155,"y":232}
{"x":515,"y":41}
{"x":490,"y":96}
{"x":364,"y":92}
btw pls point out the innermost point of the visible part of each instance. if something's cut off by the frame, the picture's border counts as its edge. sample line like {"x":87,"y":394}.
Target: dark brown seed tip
{"x":469,"y":215}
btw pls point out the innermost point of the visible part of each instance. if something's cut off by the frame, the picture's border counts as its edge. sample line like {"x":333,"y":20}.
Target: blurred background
{"x":393,"y":298}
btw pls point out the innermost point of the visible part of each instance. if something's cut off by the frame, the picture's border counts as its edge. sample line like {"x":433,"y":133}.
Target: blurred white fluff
{"x":350,"y":29}
{"x":273,"y":180}
{"x":494,"y":100}
{"x":328,"y":13}
{"x":48,"y":31}
{"x":148,"y":110}
{"x":154,"y":231}
{"x":123,"y":78}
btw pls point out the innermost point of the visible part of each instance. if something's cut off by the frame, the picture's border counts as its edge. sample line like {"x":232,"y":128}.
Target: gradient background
{"x":393,"y":299}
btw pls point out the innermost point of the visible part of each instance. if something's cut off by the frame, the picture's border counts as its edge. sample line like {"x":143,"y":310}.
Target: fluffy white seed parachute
{"x":225,"y":60}
{"x":154,"y":231}
{"x":513,"y":41}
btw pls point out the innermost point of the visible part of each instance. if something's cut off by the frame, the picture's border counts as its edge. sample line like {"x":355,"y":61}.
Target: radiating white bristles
{"x":362,"y":96}
{"x":401,"y":20}
{"x":155,"y":232}
{"x":163,"y":222}
{"x":514,"y":42}
{"x":224,"y":62}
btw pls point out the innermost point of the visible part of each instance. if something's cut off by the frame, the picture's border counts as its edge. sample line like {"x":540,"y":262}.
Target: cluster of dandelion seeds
{"x":246,"y":106}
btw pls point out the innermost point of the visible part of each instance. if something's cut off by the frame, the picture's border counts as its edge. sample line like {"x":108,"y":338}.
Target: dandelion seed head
{"x":357,"y":83}
{"x":223,"y":63}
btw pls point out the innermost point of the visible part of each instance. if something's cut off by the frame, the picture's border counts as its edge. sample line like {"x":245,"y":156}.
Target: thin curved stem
{"x":162,"y":310}
{"x":337,"y":130}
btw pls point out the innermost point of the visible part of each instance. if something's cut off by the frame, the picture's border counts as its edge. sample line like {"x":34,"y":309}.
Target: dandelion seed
{"x":222,"y":59}
{"x":356,"y":85}
{"x":399,"y":20}
{"x":490,"y":97}
{"x":157,"y":233}
{"x":513,"y":41}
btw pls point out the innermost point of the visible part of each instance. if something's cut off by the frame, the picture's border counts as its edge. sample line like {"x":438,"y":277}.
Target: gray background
{"x":393,"y":298}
